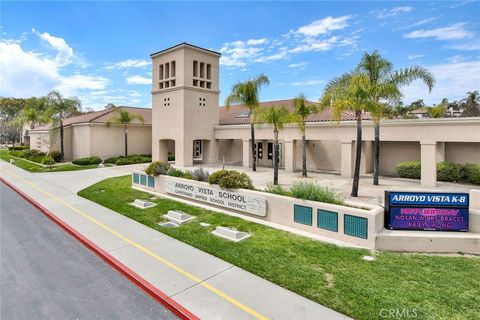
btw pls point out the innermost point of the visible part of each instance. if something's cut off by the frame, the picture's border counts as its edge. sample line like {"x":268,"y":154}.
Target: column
{"x":290,"y":155}
{"x":440,"y":151}
{"x":366,"y":165}
{"x":346,"y":166}
{"x":428,"y":158}
{"x":184,"y":153}
{"x":247,"y":154}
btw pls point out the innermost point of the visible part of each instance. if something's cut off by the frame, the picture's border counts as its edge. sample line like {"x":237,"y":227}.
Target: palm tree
{"x":60,"y":108}
{"x":350,"y":91}
{"x":471,"y":104}
{"x":35,"y":112}
{"x":125,"y":118}
{"x":302,"y":109}
{"x":246,"y":94}
{"x":277,"y":117}
{"x":380,"y":74}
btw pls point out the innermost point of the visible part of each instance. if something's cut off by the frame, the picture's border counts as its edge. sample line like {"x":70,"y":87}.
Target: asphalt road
{"x":47,"y":274}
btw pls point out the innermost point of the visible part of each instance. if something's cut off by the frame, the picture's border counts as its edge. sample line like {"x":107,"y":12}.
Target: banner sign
{"x":426,"y":211}
{"x":235,"y":200}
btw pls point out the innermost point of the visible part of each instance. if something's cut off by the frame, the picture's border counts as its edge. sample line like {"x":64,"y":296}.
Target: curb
{"x":143,"y":284}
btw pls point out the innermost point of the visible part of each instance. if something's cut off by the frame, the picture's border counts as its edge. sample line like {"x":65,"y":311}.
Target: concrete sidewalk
{"x":208,"y":287}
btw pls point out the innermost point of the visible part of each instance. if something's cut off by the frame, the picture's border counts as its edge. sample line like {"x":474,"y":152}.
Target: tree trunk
{"x":252,"y":129}
{"x":304,"y":156}
{"x":125,"y":133}
{"x":358,"y":155}
{"x":275,"y":159}
{"x":62,"y":156}
{"x":376,"y":156}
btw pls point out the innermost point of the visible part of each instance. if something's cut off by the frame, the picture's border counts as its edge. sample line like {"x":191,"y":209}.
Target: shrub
{"x":411,"y":170}
{"x":131,"y":159}
{"x":56,"y":155}
{"x":188,"y":175}
{"x":121,"y":161}
{"x":447,"y":171}
{"x":277,"y":189}
{"x":231,"y":179}
{"x":18,"y":148}
{"x":314,"y":192}
{"x":33,"y":153}
{"x":157,"y":167}
{"x":470,"y":173}
{"x":87,"y":161}
{"x":200,"y":175}
{"x":48,"y":160}
{"x":175,"y":172}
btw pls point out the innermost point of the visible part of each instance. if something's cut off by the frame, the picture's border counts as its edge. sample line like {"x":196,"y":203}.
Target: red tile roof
{"x":241,"y":115}
{"x":104,"y":116}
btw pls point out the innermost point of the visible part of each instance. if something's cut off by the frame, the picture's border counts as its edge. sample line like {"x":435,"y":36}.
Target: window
{"x":202,"y":70}
{"x":195,"y":83}
{"x":209,"y":71}
{"x":197,"y":149}
{"x":160,"y":85}
{"x":260,"y":150}
{"x":209,"y":85}
{"x":161,"y":72}
{"x":195,"y":68}
{"x":167,"y":70}
{"x":172,"y":83}
{"x":172,"y":66}
{"x":167,"y":84}
{"x":202,"y":84}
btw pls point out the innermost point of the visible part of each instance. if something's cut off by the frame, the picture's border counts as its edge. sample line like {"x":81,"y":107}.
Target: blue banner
{"x":429,"y":199}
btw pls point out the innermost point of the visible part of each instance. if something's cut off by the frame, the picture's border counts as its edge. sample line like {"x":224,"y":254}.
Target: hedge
{"x":18,"y":148}
{"x":131,"y":159}
{"x":446,"y":171}
{"x":87,"y":161}
{"x":231,"y":179}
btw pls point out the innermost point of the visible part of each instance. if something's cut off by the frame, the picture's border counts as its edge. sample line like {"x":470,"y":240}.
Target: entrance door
{"x":270,"y":150}
{"x":197,"y":149}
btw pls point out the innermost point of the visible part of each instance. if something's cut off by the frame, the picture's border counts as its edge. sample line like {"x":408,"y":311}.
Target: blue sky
{"x":99,"y":51}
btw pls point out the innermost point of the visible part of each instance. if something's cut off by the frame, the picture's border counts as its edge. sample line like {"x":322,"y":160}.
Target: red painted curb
{"x":146,"y":286}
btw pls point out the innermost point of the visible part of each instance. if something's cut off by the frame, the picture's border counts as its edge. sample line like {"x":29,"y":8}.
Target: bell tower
{"x":185,"y":93}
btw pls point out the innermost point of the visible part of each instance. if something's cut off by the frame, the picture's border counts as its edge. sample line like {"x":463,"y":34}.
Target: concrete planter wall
{"x":347,"y":224}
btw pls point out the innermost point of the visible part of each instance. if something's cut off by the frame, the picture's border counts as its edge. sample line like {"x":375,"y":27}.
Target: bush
{"x":131,"y":159}
{"x":56,"y":155}
{"x":121,"y":161}
{"x":200,"y":175}
{"x":33,"y":153}
{"x":157,"y":167}
{"x":175,"y":172}
{"x":277,"y":189}
{"x":18,"y":148}
{"x":470,"y":173}
{"x":48,"y":161}
{"x":314,"y":192}
{"x":447,"y":171}
{"x":17,"y":153}
{"x":410,"y":170}
{"x":87,"y":161}
{"x":231,"y":179}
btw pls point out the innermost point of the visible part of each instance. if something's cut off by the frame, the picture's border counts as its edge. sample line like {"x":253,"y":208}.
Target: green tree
{"x":351,"y":91}
{"x":437,"y":111}
{"x":34,"y":112}
{"x":471,"y":105}
{"x":302,"y":109}
{"x":10,"y":109}
{"x":246,"y":94}
{"x":125,"y":119}
{"x":60,"y":108}
{"x":276,"y":117}
{"x":385,"y":85}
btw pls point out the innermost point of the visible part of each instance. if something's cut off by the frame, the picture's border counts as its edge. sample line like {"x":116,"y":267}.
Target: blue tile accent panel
{"x":136,"y":178}
{"x":143,"y":180}
{"x":151,"y":182}
{"x":355,"y":226}
{"x":302,"y":214}
{"x":327,"y":220}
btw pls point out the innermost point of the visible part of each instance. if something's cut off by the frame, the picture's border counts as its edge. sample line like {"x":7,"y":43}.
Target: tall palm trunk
{"x":252,"y":130}
{"x":376,"y":156}
{"x":358,"y":154}
{"x":125,"y":133}
{"x":62,"y":156}
{"x":275,"y":158}
{"x":304,"y":156}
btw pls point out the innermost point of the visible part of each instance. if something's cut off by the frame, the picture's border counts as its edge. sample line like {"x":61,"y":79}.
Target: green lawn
{"x":32,"y":167}
{"x":437,"y":287}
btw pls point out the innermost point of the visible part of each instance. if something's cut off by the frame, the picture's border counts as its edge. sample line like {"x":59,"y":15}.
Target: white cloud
{"x":453,"y":32}
{"x":237,"y":53}
{"x":308,"y":82}
{"x":420,"y":22}
{"x":472,"y":46}
{"x":64,"y":51}
{"x":138,"y":80}
{"x":129,"y":63}
{"x":254,"y":42}
{"x":415,"y":56}
{"x":310,"y":45}
{"x":323,"y":26}
{"x":390,"y":13}
{"x":298,"y":66}
{"x":456,"y":59}
{"x":453,"y":80}
{"x":71,"y":84}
